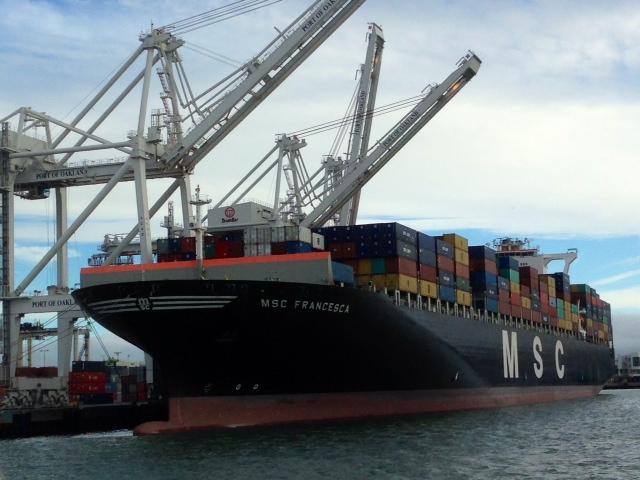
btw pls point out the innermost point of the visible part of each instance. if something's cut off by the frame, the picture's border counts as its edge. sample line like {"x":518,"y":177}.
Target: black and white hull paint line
{"x":257,"y":352}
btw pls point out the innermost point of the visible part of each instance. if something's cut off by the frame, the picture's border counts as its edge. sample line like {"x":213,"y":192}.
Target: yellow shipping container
{"x":589,"y":323}
{"x":526,"y":302}
{"x":380,"y":281}
{"x":552,"y":291}
{"x":514,"y":287}
{"x":461,"y":256}
{"x":456,"y":240}
{"x":428,"y":289}
{"x":364,"y":266}
{"x":363,"y":280}
{"x":463,"y":298}
{"x":549,"y":280}
{"x":605,"y":327}
{"x":404,"y":283}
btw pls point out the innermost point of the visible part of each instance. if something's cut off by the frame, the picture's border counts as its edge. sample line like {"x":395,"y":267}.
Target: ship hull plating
{"x":258,"y":352}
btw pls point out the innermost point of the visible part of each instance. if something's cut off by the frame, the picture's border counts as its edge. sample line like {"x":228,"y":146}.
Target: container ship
{"x":290,"y":324}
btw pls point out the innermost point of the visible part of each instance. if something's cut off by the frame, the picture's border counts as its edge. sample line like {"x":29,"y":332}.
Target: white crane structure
{"x":331,"y":193}
{"x":161,"y":148}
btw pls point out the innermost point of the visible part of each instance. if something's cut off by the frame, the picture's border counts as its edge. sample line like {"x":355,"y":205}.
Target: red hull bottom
{"x":201,"y":413}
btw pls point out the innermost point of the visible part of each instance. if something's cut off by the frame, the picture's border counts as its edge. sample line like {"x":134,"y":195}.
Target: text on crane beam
{"x":71,"y":173}
{"x":401,"y":128}
{"x":318,"y":14}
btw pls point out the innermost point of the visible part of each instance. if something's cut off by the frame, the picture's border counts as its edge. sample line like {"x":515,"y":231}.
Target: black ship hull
{"x":239,"y":353}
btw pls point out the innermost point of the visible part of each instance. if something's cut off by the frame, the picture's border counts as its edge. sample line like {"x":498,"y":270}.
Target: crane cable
{"x":323,"y":127}
{"x":216,"y":15}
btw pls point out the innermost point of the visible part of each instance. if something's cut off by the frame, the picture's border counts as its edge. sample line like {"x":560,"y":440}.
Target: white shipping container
{"x":33,"y":383}
{"x":277,"y":234}
{"x":264,"y":249}
{"x":263,"y":235}
{"x":250,"y":235}
{"x":298,"y":234}
{"x":257,"y":249}
{"x":317,"y":241}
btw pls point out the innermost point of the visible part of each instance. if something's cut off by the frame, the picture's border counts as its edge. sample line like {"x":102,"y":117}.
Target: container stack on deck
{"x":96,"y":383}
{"x":248,"y":242}
{"x":396,"y":258}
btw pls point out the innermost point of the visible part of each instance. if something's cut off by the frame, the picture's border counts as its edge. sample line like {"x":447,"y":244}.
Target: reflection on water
{"x":573,"y":439}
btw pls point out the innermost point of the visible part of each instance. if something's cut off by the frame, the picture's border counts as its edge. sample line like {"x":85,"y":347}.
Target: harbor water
{"x":588,"y":439}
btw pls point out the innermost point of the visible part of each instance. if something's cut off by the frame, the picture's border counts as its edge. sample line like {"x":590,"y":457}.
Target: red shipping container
{"x":141,"y":396}
{"x":504,"y":308}
{"x":428,"y":273}
{"x":280,"y":248}
{"x":532,"y":283}
{"x":445,"y":263}
{"x":526,"y":313}
{"x":188,"y":244}
{"x":349,"y":250}
{"x":87,"y":377}
{"x":536,"y":316}
{"x":462,"y":271}
{"x":222,"y":249}
{"x":236,"y":249}
{"x":401,"y":265}
{"x":544,"y":297}
{"x":516,"y":311}
{"x":525,"y":291}
{"x":503,"y":297}
{"x":544,"y":308}
{"x":30,"y":372}
{"x":483,"y":265}
{"x":528,"y":272}
{"x":48,"y":372}
{"x":516,"y":299}
{"x":82,"y":388}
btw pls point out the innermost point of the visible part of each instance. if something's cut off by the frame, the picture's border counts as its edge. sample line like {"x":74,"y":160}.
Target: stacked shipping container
{"x":448,"y":269}
{"x":96,"y":383}
{"x":249,"y":242}
{"x":397,"y":258}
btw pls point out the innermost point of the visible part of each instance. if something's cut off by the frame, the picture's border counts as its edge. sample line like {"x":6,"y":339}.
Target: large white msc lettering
{"x":559,"y":350}
{"x":510,"y":354}
{"x":537,"y":349}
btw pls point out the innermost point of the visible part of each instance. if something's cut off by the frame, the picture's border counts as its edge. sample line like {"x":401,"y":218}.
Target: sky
{"x":541,"y":144}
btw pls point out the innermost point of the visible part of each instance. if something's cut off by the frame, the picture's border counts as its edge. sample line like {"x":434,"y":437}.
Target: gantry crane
{"x":384,"y":150}
{"x":331,"y":192}
{"x":32,"y":166}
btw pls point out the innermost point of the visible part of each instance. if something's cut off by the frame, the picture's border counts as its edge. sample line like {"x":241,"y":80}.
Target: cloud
{"x":616,"y":278}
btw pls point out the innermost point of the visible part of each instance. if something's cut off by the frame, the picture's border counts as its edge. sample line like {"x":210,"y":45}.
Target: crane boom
{"x":393,"y":141}
{"x":261,"y":76}
{"x":365,"y":104}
